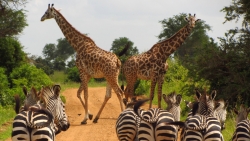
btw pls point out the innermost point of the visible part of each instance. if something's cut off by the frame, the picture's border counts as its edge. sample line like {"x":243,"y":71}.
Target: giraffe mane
{"x":71,"y":25}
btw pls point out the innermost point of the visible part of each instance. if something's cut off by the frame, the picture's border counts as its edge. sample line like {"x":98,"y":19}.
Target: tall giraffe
{"x":152,"y":65}
{"x":91,"y":61}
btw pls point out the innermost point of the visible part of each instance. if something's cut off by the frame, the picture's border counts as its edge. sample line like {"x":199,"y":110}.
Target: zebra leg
{"x":107,"y":97}
{"x":84,"y":86}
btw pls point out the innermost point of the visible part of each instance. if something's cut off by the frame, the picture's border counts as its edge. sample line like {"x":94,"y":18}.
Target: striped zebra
{"x":202,"y":125}
{"x":242,"y":131}
{"x":130,"y":127}
{"x":221,"y":112}
{"x":152,"y":124}
{"x":51,"y":101}
{"x":31,"y":98}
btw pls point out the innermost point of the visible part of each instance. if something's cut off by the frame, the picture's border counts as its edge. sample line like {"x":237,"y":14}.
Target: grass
{"x":7,"y":115}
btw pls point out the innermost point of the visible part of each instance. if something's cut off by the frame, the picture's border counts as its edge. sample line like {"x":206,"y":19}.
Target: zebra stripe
{"x":152,"y":126}
{"x":202,"y":124}
{"x":52,"y":102}
{"x":242,"y":132}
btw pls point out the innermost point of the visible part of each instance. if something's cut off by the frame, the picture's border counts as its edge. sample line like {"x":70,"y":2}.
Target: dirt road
{"x":104,"y":130}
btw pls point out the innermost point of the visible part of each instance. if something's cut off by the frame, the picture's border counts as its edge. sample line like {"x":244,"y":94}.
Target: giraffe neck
{"x":76,"y":39}
{"x":168,"y":46}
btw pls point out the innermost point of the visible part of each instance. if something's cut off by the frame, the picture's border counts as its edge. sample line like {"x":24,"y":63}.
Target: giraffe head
{"x":49,"y":13}
{"x":191,"y":20}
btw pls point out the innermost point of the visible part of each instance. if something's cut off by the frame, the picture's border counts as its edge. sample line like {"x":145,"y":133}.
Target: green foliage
{"x":142,"y":87}
{"x":29,"y":76}
{"x":73,"y":74}
{"x":238,"y":9}
{"x":7,"y":115}
{"x":11,"y":53}
{"x":119,"y":44}
{"x":44,"y":64}
{"x":197,"y":39}
{"x":12,"y":21}
{"x":49,"y":52}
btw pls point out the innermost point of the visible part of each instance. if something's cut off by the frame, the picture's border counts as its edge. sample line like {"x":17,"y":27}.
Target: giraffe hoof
{"x":95,"y":120}
{"x":84,"y":122}
{"x":90,"y":116}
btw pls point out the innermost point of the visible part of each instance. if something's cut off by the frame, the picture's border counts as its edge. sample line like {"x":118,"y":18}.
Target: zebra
{"x":50,"y":100}
{"x":203,"y":124}
{"x":31,"y":98}
{"x":152,"y":123}
{"x":126,"y":124}
{"x":221,"y":112}
{"x":242,"y":131}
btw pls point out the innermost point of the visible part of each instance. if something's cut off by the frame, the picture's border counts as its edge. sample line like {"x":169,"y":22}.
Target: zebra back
{"x":242,"y":131}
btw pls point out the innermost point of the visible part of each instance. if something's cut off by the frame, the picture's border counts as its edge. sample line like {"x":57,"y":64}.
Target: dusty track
{"x":104,"y":130}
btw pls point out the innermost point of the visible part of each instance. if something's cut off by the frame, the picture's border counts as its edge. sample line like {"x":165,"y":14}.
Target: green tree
{"x":11,"y":53}
{"x":12,"y":19}
{"x":227,"y":65}
{"x":119,"y":44}
{"x":49,"y":51}
{"x":64,"y":49}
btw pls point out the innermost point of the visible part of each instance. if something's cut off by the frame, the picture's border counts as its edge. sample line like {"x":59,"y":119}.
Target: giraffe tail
{"x":125,"y":49}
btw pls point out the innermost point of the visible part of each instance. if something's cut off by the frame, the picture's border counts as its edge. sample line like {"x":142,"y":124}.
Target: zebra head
{"x":32,"y":97}
{"x":221,"y":111}
{"x":206,"y":103}
{"x":173,"y":101}
{"x":52,"y":101}
{"x":242,"y":114}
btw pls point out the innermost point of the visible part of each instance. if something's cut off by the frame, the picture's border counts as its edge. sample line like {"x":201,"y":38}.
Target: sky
{"x":107,"y":20}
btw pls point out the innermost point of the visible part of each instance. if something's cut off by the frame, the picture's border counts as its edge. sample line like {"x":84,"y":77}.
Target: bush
{"x":4,"y":87}
{"x":29,"y":76}
{"x":73,"y":74}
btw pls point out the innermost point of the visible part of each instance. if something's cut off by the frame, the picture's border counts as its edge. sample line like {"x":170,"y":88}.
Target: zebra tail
{"x":17,"y":106}
{"x":42,"y":124}
{"x":125,"y":49}
{"x":138,"y":104}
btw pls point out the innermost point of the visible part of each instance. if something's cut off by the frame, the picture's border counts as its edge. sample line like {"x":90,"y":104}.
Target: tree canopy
{"x":12,"y":19}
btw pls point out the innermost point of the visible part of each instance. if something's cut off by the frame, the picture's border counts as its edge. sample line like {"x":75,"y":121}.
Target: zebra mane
{"x":195,"y":108}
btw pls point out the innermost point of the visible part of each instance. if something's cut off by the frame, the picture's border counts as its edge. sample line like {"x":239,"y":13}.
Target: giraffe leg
{"x":160,"y":82}
{"x":107,"y":97}
{"x":152,"y":89}
{"x":83,"y":86}
{"x":129,"y":91}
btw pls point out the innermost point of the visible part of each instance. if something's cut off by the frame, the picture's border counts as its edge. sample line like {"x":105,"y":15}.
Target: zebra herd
{"x":204,"y":122}
{"x":42,"y":116}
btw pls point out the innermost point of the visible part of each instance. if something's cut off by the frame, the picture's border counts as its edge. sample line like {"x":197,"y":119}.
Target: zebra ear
{"x":178,"y":99}
{"x":57,"y":89}
{"x":213,"y":94}
{"x":198,"y":94}
{"x":25,"y":91}
{"x":235,"y":111}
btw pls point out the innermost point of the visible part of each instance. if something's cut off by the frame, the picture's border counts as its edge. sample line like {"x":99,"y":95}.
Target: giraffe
{"x":91,"y":61}
{"x":152,"y":65}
